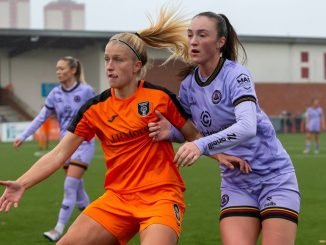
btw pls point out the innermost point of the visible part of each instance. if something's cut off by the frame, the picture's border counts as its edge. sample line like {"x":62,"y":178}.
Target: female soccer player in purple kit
{"x":219,"y":94}
{"x":315,"y":121}
{"x":64,"y":102}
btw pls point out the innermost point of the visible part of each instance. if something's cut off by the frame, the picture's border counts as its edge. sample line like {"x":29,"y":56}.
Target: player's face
{"x":315,"y":103}
{"x":64,"y":71}
{"x":203,"y":41}
{"x":121,"y":65}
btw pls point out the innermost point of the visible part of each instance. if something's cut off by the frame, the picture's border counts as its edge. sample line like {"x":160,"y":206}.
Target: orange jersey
{"x":133,"y":160}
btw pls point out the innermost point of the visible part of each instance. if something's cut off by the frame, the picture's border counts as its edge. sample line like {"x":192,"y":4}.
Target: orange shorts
{"x":124,"y":215}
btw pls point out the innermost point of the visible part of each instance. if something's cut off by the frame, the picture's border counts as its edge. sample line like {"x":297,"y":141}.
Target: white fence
{"x":9,"y":131}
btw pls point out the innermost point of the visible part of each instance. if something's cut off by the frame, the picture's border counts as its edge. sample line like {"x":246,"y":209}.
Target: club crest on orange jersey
{"x":143,"y":108}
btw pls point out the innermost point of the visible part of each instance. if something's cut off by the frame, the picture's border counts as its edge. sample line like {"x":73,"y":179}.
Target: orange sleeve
{"x":174,"y":113}
{"x":83,"y":127}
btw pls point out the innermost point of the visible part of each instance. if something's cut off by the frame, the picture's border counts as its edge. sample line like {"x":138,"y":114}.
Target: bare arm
{"x":189,"y":131}
{"x":51,"y":161}
{"x":34,"y":126}
{"x":161,"y":130}
{"x":41,"y":170}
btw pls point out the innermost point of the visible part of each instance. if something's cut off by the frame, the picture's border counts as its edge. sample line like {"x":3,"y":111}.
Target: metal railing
{"x":7,"y":97}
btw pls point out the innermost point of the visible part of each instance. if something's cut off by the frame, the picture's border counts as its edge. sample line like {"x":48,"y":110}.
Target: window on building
{"x":304,"y":56}
{"x":304,"y":72}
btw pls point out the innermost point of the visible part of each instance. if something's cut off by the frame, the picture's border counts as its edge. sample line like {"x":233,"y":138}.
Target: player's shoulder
{"x":85,"y":86}
{"x":87,"y":91}
{"x":188,"y":80}
{"x":56,"y":90}
{"x":102,"y":97}
{"x":235,"y":72}
{"x":156,"y":88}
{"x":233,"y":67}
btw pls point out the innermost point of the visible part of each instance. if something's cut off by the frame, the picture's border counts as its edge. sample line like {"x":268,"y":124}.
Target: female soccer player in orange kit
{"x":143,"y":186}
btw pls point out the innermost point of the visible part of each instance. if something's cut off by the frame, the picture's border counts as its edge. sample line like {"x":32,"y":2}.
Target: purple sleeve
{"x":244,"y":128}
{"x":36,"y":123}
{"x":183,"y":97}
{"x":50,"y":100}
{"x":176,"y":135}
{"x":242,"y":87}
{"x":91,"y":92}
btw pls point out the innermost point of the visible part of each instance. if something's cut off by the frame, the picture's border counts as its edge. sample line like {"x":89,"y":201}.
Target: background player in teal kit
{"x":64,"y":102}
{"x":219,"y":95}
{"x":315,"y":121}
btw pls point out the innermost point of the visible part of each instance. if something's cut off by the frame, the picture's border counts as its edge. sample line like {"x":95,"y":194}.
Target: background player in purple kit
{"x":220,"y":96}
{"x":64,"y":102}
{"x":315,"y":121}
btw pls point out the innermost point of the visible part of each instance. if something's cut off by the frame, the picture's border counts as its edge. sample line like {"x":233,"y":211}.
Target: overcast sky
{"x":296,"y":18}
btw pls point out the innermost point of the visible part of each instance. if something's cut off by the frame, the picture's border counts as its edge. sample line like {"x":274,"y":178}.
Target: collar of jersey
{"x":72,"y":89}
{"x":212,"y":76}
{"x":139,"y":85}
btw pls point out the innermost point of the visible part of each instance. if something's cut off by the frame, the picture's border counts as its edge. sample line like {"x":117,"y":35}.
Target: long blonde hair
{"x":169,"y":32}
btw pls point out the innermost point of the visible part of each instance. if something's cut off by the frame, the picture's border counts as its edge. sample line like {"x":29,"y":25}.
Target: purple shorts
{"x":278,"y":197}
{"x":314,"y":126}
{"x":83,"y":156}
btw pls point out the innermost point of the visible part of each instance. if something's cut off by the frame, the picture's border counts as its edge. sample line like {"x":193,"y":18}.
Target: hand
{"x":187,"y":154}
{"x":12,"y":195}
{"x":232,"y":161}
{"x":161,"y":129}
{"x":18,"y":142}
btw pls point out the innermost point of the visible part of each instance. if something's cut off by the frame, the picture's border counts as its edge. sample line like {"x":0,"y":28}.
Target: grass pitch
{"x":40,"y":206}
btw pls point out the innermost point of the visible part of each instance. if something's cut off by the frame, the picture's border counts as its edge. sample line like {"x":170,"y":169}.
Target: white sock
{"x":59,"y":227}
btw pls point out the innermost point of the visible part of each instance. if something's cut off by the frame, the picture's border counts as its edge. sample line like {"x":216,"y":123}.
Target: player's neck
{"x":207,"y":68}
{"x":126,"y":91}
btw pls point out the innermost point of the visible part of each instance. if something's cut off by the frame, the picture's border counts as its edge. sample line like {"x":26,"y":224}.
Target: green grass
{"x":39,"y":208}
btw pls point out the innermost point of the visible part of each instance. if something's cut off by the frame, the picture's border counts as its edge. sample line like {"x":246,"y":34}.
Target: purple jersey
{"x":212,"y":107}
{"x":315,"y":115}
{"x":64,"y":104}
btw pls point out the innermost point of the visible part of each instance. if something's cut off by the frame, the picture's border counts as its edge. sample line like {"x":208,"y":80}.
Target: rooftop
{"x":19,"y":41}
